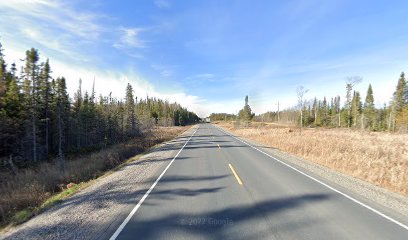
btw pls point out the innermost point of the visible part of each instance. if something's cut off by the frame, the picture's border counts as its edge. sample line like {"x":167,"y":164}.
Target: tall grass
{"x":377,"y":157}
{"x":30,"y":188}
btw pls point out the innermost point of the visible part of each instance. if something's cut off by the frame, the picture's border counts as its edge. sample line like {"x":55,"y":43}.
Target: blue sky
{"x":208,"y":55}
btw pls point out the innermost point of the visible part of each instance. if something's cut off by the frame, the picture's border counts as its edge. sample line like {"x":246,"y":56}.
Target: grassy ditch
{"x":380,"y":158}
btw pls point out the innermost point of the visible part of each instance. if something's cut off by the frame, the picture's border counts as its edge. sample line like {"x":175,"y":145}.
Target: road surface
{"x":218,"y":187}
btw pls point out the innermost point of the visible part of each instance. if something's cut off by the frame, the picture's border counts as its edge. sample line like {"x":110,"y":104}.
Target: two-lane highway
{"x":218,"y":187}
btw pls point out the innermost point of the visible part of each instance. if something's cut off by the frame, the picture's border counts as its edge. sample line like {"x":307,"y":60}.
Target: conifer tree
{"x":400,"y":102}
{"x":356,"y":108}
{"x":246,"y":113}
{"x":62,"y":109}
{"x":399,"y":98}
{"x":11,"y":118}
{"x":369,"y":109}
{"x":351,"y":82}
{"x":130,"y":111}
{"x":37,"y":122}
{"x":31,"y":79}
{"x":44,"y":91}
{"x":77,"y":115}
{"x":2,"y":75}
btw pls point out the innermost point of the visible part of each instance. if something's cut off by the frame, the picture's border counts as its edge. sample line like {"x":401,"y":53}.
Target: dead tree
{"x":300,"y":92}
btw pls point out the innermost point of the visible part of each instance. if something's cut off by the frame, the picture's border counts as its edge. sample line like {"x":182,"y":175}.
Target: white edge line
{"x":324,"y":184}
{"x":127,"y":219}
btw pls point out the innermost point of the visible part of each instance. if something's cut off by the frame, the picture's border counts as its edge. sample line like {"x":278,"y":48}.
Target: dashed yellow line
{"x":235,"y":174}
{"x":232,"y":169}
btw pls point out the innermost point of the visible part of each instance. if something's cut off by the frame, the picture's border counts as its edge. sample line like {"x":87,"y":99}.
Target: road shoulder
{"x":389,"y":202}
{"x":96,"y":211}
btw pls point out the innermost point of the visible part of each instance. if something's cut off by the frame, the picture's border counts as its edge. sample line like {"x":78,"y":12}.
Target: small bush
{"x":21,"y":216}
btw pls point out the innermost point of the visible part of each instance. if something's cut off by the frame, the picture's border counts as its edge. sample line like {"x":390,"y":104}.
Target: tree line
{"x":355,"y":112}
{"x":222,"y":117}
{"x":40,"y":121}
{"x":245,"y":114}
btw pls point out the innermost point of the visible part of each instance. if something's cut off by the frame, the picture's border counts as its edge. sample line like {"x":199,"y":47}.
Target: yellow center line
{"x":235,"y":174}
{"x":232,"y":169}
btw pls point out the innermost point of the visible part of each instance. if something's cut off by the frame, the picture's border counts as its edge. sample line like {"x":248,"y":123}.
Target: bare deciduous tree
{"x":300,"y":92}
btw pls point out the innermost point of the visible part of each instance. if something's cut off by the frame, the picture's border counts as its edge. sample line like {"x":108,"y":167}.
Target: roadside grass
{"x":380,"y":158}
{"x":62,"y":195}
{"x":22,"y":216}
{"x":32,"y":191}
{"x":25,"y":214}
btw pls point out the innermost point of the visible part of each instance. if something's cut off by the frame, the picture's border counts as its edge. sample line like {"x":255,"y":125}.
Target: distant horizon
{"x":209,"y":55}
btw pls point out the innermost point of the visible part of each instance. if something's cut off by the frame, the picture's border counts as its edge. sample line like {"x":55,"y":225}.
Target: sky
{"x":207,"y":55}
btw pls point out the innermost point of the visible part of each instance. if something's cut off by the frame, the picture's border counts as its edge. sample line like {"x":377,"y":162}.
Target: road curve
{"x":218,"y":187}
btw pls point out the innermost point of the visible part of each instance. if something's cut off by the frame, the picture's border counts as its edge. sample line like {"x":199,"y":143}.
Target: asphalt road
{"x":220,"y":188}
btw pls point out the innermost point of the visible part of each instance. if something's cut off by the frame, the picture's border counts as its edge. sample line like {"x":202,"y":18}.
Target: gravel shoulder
{"x":390,"y":203}
{"x":96,"y":211}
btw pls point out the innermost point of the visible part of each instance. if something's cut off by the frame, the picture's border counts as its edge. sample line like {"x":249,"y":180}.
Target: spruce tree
{"x":351,"y":82}
{"x":399,"y":94}
{"x":77,"y":109}
{"x":130,"y":111}
{"x":2,"y":75}
{"x":12,"y":116}
{"x":36,"y":119}
{"x":325,"y":112}
{"x":400,"y":102}
{"x":246,"y":113}
{"x":62,"y":109}
{"x":44,"y":91}
{"x":369,"y":109}
{"x":31,"y":91}
{"x":356,"y":108}
{"x":5,"y":122}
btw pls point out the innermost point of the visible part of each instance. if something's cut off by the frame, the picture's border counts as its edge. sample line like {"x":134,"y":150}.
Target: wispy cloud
{"x":54,"y":25}
{"x":55,"y":15}
{"x":201,"y":77}
{"x":129,"y":38}
{"x":162,"y":3}
{"x":64,"y":30}
{"x":165,"y":71}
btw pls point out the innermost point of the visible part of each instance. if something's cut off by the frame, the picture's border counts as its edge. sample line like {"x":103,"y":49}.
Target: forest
{"x":39,"y":121}
{"x":355,"y":112}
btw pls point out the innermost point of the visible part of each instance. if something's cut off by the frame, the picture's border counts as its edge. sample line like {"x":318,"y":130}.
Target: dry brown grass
{"x":377,"y":157}
{"x":30,"y":188}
